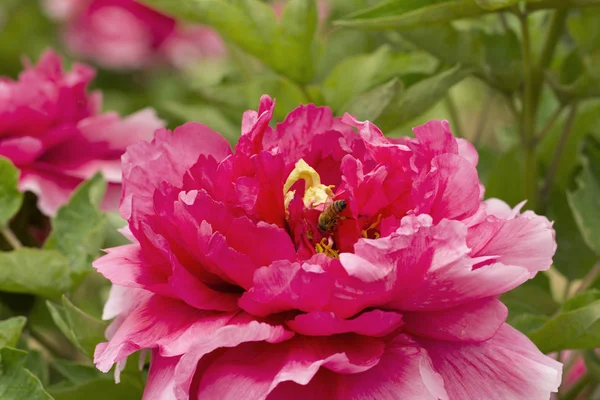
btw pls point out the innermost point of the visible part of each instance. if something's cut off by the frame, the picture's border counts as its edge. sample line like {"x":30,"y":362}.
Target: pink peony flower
{"x":238,"y":294}
{"x":52,"y":130}
{"x":124,"y":34}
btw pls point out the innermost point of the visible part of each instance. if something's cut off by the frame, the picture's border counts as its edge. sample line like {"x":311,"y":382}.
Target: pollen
{"x":325,"y":246}
{"x":315,"y":193}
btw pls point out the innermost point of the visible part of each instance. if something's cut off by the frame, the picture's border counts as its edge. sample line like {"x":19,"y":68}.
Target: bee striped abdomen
{"x":329,"y":216}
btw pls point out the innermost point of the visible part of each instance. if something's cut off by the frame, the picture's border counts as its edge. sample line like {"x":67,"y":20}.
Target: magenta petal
{"x":21,"y":150}
{"x":126,"y":266}
{"x":508,"y":366}
{"x":240,"y":329}
{"x":234,"y":375}
{"x":451,"y":190}
{"x":404,"y":372}
{"x":527,"y":241}
{"x":369,"y":323}
{"x":475,"y":321}
{"x":166,"y":159}
{"x":160,"y":384}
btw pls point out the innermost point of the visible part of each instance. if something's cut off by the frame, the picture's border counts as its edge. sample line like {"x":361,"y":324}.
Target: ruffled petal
{"x":235,"y":375}
{"x":166,"y":159}
{"x":369,"y":323}
{"x":475,"y":321}
{"x":508,"y":366}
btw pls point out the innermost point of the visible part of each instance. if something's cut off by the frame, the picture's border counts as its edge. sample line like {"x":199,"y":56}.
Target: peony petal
{"x":527,"y":241}
{"x":475,"y":321}
{"x":451,"y":190}
{"x":165,"y":159}
{"x":52,"y":190}
{"x":160,"y":384}
{"x":508,"y":366}
{"x":404,"y":372}
{"x":21,"y":150}
{"x":369,"y":323}
{"x":234,"y":374}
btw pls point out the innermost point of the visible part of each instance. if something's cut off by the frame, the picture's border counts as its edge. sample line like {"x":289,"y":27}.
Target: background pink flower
{"x":51,"y":128}
{"x":238,"y":294}
{"x":125,"y":34}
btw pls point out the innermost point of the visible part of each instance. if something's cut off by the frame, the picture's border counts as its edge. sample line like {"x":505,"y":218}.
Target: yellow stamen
{"x":315,"y":193}
{"x":326,"y":246}
{"x":365,"y":232}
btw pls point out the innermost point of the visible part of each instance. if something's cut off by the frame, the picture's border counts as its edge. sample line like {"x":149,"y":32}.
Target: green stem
{"x":10,"y":237}
{"x":549,"y":123}
{"x":555,"y":30}
{"x":483,"y":116}
{"x":528,"y":117}
{"x":547,"y":186}
{"x":453,"y":111}
{"x":588,"y":279}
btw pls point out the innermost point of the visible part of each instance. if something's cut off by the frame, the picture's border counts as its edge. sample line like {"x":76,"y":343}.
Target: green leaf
{"x":531,"y":298}
{"x":577,"y":326}
{"x":37,"y":365}
{"x":546,"y":4}
{"x":79,"y":227}
{"x":100,"y":389}
{"x":407,"y":14}
{"x":527,"y":323}
{"x":505,"y":179}
{"x":78,"y":373}
{"x":288,"y":47}
{"x":294,"y":51}
{"x":370,"y":105}
{"x":35,"y":271}
{"x":81,"y":329}
{"x":207,"y":115}
{"x":287,"y":94}
{"x":573,"y":257}
{"x":10,"y":330}
{"x":585,"y":200}
{"x":16,"y":382}
{"x":10,"y":197}
{"x":493,"y":5}
{"x":354,"y":75}
{"x":420,"y":97}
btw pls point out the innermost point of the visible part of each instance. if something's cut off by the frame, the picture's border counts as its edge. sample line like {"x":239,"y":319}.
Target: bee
{"x":329,"y":217}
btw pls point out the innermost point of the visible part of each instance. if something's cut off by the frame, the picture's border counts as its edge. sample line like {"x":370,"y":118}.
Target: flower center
{"x":316,"y":196}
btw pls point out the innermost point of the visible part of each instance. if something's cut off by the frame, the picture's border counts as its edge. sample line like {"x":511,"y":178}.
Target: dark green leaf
{"x":37,"y":365}
{"x":546,"y":4}
{"x":82,"y":330}
{"x":573,"y":257}
{"x":79,"y":228}
{"x":35,"y":271}
{"x":10,"y":330}
{"x":420,"y":97}
{"x":585,"y":201}
{"x":505,"y":180}
{"x":533,"y":298}
{"x":78,"y":373}
{"x":577,"y":327}
{"x":581,"y":300}
{"x":10,"y":197}
{"x":16,"y":382}
{"x":370,"y":105}
{"x":527,"y":323}
{"x":100,"y":389}
{"x":407,"y":14}
{"x":114,"y":238}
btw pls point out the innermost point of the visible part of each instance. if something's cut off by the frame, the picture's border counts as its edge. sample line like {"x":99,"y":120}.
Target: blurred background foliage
{"x":519,"y":79}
